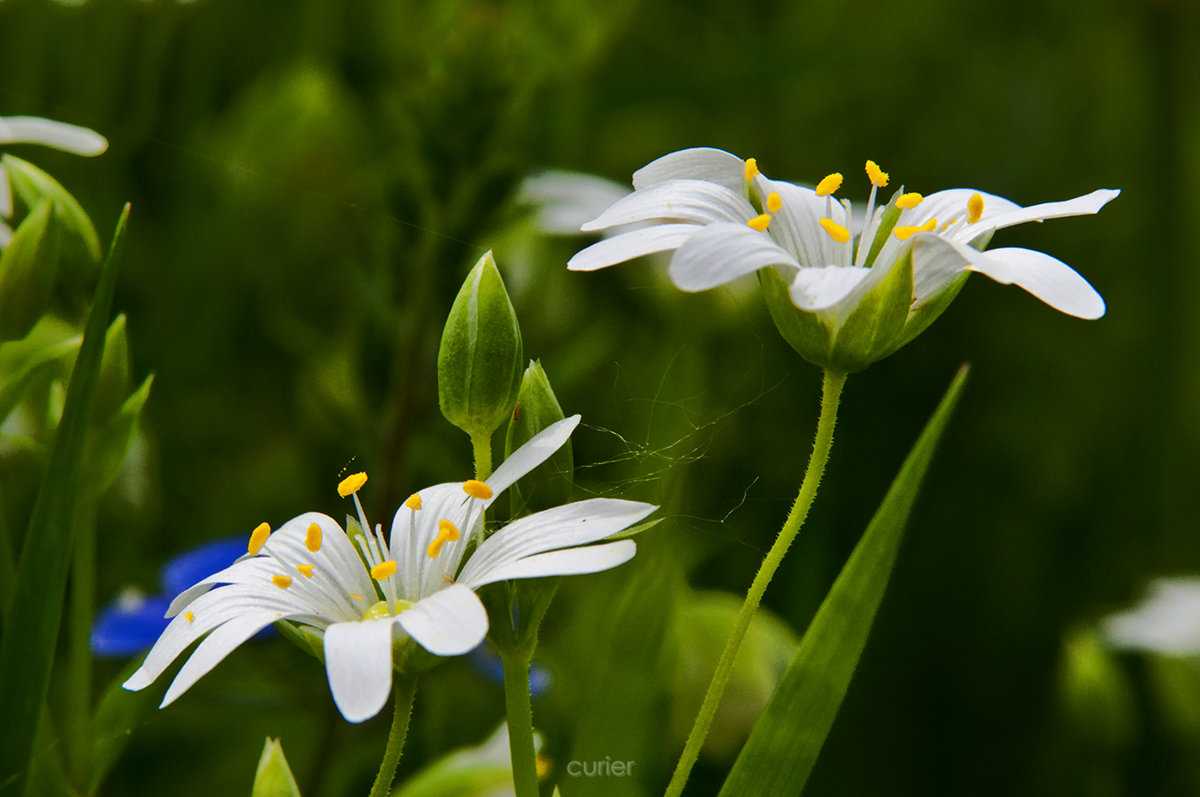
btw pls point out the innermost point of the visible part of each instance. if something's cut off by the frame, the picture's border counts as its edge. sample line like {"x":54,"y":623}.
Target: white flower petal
{"x":1166,"y":621}
{"x":48,"y":133}
{"x":1047,"y":278}
{"x":797,"y":225}
{"x":721,"y":252}
{"x":215,"y":647}
{"x":1079,"y":206}
{"x":566,"y":200}
{"x":692,"y":201}
{"x":817,"y":289}
{"x":630,"y":245}
{"x":529,"y":456}
{"x":449,"y":622}
{"x":951,"y":203}
{"x":566,"y":562}
{"x":412,"y":533}
{"x":358,"y":661}
{"x":700,"y":163}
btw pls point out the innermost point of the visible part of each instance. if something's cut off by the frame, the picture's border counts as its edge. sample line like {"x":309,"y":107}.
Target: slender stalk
{"x":79,"y":654}
{"x":831,"y":391}
{"x":404,"y":689}
{"x":519,"y":708}
{"x":482,"y":445}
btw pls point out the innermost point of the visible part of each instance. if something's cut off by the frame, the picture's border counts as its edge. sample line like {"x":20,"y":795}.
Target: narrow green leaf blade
{"x":785,"y":742}
{"x":32,"y":624}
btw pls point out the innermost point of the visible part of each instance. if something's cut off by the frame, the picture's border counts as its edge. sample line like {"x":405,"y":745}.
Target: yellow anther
{"x":974,"y":208}
{"x":283,"y":582}
{"x":356,"y":597}
{"x":384,"y":569}
{"x":751,"y":169}
{"x":760,"y":222}
{"x":829,"y":184}
{"x":878,"y":177}
{"x":447,"y":529}
{"x":189,"y":616}
{"x":836,"y":231}
{"x":774,"y":202}
{"x":904,"y":233}
{"x":908,"y":201}
{"x":542,"y":765}
{"x":413,"y":502}
{"x":351,"y":484}
{"x":477,"y":489}
{"x":305,"y":570}
{"x":435,"y":547}
{"x":258,"y":538}
{"x":312,"y":540}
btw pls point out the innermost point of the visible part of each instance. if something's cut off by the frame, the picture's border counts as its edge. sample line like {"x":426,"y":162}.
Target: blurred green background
{"x":312,"y":180}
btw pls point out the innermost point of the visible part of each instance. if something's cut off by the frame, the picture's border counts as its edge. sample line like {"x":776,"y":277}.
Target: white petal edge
{"x":536,"y":451}
{"x":631,"y":245}
{"x":701,"y":163}
{"x":565,"y":200}
{"x":1166,"y":621}
{"x":689,"y":201}
{"x":49,"y":133}
{"x":721,"y":252}
{"x":215,"y":647}
{"x":566,"y":562}
{"x":1079,"y":206}
{"x":449,"y":622}
{"x":1046,"y":277}
{"x":358,"y":661}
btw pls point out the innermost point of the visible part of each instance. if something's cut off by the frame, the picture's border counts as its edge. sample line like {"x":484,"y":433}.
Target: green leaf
{"x":29,"y":369}
{"x":119,"y":712}
{"x":108,"y":447}
{"x":32,"y":185}
{"x":28,"y":268}
{"x":32,"y":623}
{"x":274,"y":776}
{"x":785,"y":742}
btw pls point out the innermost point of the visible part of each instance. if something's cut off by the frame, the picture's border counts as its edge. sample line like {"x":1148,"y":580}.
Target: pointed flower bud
{"x":274,"y":776}
{"x":537,"y":407}
{"x":479,"y":362}
{"x":28,"y":268}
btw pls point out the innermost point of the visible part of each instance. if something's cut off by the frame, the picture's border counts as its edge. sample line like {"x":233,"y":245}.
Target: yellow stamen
{"x":258,"y":538}
{"x":351,"y":484}
{"x":761,"y":222}
{"x":448,"y":529}
{"x":879,"y":178}
{"x":774,"y":202}
{"x":829,"y":184}
{"x":477,"y":489}
{"x":356,"y":597}
{"x":974,"y":208}
{"x":907,"y":201}
{"x":305,"y":570}
{"x":904,"y":233}
{"x":446,"y":532}
{"x":413,"y":502}
{"x":836,"y":231}
{"x":384,"y":569}
{"x":312,"y":540}
{"x":435,"y":547}
{"x":751,"y":169}
{"x":189,"y":616}
{"x":283,"y":582}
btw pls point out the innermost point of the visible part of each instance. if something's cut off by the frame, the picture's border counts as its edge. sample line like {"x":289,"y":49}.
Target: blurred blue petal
{"x":487,"y":663}
{"x":193,"y":566}
{"x":129,"y":625}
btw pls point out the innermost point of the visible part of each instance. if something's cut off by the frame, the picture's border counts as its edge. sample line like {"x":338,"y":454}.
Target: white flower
{"x":1166,"y":621}
{"x":413,"y":584}
{"x":48,"y":133}
{"x":723,"y":219}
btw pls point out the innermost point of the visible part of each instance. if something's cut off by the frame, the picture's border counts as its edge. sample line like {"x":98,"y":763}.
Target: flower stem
{"x":404,"y":689}
{"x":831,"y":391}
{"x":519,"y":708}
{"x":482,"y":446}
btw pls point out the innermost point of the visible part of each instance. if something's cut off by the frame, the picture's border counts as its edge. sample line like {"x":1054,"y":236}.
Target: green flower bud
{"x":274,"y":776}
{"x":28,"y":268}
{"x":479,"y":362}
{"x":549,"y":484}
{"x":108,"y":446}
{"x":113,"y":385}
{"x":33,"y":186}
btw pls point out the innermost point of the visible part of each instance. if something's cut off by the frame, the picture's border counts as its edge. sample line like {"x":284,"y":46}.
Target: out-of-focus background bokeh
{"x":312,"y":180}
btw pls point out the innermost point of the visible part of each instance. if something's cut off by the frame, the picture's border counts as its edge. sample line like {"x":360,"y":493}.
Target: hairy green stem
{"x":482,"y":445}
{"x":831,"y":391}
{"x":519,"y":708}
{"x":404,"y":689}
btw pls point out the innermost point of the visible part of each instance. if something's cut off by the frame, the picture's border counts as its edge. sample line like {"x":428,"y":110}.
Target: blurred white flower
{"x":1166,"y":621}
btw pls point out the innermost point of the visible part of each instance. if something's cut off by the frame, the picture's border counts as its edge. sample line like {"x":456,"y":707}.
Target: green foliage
{"x":28,"y":266}
{"x":273,"y":778}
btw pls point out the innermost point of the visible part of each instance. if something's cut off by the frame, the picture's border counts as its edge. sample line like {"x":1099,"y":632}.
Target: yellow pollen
{"x":751,"y":169}
{"x":312,"y":540}
{"x":774,"y":202}
{"x":351,"y":484}
{"x":384,"y":569}
{"x":903,"y":233}
{"x":447,"y":529}
{"x":836,"y":231}
{"x":477,"y":489}
{"x":413,"y":502}
{"x":974,"y":208}
{"x":879,"y":178}
{"x":907,"y":201}
{"x":760,"y":222}
{"x":305,"y":570}
{"x":189,"y":616}
{"x":283,"y":582}
{"x":829,"y":184}
{"x":258,"y":538}
{"x":356,"y":597}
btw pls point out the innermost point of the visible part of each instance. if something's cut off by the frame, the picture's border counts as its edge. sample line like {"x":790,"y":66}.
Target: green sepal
{"x":33,"y":185}
{"x":119,"y":712}
{"x":873,"y":325}
{"x":303,"y":637}
{"x":784,"y":745}
{"x":805,"y":332}
{"x":480,"y":358}
{"x":549,"y":484}
{"x":924,"y":314}
{"x":108,"y":447}
{"x":274,"y":777}
{"x":28,"y":270}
